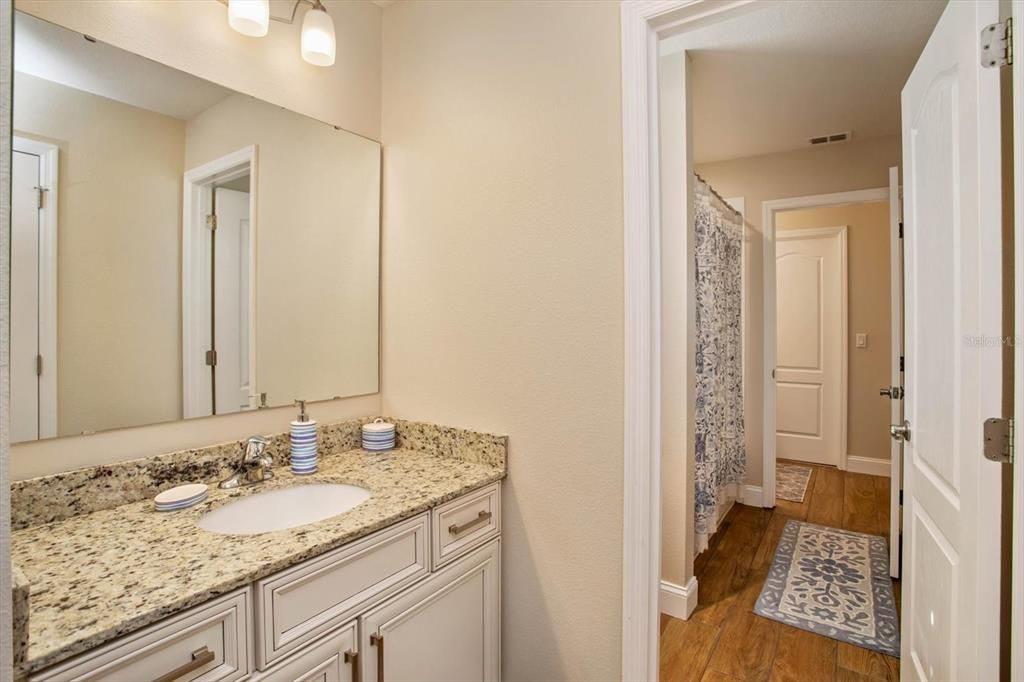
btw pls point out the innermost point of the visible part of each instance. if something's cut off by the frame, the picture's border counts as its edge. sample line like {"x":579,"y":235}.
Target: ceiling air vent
{"x":833,"y":138}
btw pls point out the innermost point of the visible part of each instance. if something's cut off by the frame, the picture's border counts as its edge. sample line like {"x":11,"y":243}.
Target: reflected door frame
{"x":197,"y":397}
{"x":48,"y":183}
{"x":769,"y":211}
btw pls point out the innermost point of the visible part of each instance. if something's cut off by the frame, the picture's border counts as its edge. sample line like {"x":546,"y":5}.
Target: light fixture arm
{"x":312,"y":4}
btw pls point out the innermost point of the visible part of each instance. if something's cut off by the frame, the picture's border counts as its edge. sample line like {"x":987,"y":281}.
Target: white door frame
{"x":643,"y":23}
{"x":844,"y":303}
{"x":769,"y":210}
{"x":1017,"y":598}
{"x":49,"y":174}
{"x":194,"y":283}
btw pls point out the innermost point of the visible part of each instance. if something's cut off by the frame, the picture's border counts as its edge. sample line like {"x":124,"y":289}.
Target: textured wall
{"x":503,"y":291}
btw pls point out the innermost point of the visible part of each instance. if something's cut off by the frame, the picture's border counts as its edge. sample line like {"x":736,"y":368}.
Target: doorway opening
{"x":677,"y":143}
{"x":218,"y":292}
{"x":34,"y":362}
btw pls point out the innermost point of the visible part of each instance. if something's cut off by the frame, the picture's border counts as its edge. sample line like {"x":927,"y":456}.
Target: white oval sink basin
{"x":283,"y":508}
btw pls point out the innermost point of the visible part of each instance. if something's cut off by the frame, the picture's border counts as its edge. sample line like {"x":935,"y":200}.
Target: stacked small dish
{"x":378,"y":435}
{"x":181,"y":497}
{"x":303,"y":438}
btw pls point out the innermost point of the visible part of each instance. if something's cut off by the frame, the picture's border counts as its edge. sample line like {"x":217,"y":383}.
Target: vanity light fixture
{"x":249,"y":17}
{"x":318,"y":36}
{"x":252,"y":18}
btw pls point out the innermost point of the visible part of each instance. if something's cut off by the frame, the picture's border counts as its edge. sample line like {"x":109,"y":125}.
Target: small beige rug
{"x":791,"y":481}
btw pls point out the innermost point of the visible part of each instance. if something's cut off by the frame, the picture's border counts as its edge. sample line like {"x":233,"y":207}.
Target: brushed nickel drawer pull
{"x":353,"y":658}
{"x":200,"y":657}
{"x":378,"y":641}
{"x":480,"y":518}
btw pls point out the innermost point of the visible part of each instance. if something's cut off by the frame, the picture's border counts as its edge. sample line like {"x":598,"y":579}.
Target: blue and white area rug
{"x":835,"y":583}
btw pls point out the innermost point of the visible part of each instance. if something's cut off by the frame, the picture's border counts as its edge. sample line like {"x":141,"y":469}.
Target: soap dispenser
{"x":303,"y":436}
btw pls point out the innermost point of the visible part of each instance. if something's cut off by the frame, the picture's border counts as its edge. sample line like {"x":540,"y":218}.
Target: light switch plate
{"x":862,"y":340}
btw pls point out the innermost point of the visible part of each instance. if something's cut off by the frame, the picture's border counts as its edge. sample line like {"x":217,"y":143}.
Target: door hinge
{"x":997,"y":44}
{"x":901,"y":229}
{"x":999,"y":440}
{"x":901,"y":365}
{"x":41,"y":196}
{"x":901,"y":497}
{"x":211,"y":358}
{"x":211,"y":222}
{"x":39,"y":365}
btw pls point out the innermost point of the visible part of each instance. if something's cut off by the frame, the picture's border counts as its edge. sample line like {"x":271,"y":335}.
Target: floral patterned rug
{"x":835,"y":583}
{"x":791,"y":481}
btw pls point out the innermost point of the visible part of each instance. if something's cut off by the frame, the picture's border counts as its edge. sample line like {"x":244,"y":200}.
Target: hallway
{"x":723,"y":641}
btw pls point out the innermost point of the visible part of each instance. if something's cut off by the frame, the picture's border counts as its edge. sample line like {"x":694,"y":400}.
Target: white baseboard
{"x":753,"y":496}
{"x":868,"y":465}
{"x":676,"y":600}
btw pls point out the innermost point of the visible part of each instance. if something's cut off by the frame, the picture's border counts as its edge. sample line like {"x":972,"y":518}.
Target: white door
{"x":231,"y":300}
{"x":895,"y":371}
{"x":810,"y":276}
{"x":24,"y":297}
{"x":445,"y":628}
{"x":953,"y":357}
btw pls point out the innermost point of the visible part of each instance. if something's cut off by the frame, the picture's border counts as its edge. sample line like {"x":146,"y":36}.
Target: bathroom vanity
{"x":224,"y":260}
{"x":406,"y":585}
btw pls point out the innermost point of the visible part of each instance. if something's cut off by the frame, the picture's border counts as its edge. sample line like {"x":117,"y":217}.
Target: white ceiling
{"x":767,"y":81}
{"x":57,"y":54}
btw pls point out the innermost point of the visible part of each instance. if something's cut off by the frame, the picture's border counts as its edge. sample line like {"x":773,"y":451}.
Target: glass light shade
{"x":318,"y":38}
{"x":249,"y":17}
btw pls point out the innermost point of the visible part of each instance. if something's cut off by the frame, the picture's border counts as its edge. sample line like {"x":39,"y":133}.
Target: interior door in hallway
{"x":953,"y":358}
{"x":25,"y":297}
{"x":810,"y":270}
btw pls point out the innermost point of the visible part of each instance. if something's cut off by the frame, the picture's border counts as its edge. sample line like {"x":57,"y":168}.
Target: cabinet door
{"x":445,"y":628}
{"x":333,"y":658}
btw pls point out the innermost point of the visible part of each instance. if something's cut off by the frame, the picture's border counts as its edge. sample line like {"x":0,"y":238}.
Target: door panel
{"x":952,"y":242}
{"x":24,"y":297}
{"x":895,"y":372}
{"x":231,"y":290}
{"x":810,"y":267}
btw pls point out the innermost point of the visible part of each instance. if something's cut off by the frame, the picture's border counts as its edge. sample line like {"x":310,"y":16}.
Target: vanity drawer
{"x":208,"y":643}
{"x":303,"y":602}
{"x":331,"y":659}
{"x":466,"y":523}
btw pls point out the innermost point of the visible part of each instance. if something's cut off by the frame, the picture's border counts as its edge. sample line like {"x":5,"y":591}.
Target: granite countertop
{"x":103,"y":574}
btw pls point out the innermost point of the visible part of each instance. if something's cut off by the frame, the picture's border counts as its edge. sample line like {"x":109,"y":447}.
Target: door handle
{"x":352,"y":657}
{"x":900,"y":432}
{"x":891,"y":392}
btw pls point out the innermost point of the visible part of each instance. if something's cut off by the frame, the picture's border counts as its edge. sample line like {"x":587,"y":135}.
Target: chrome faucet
{"x":256,"y":465}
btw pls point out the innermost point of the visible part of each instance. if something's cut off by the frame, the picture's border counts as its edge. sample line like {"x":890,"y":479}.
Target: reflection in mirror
{"x":179,"y":249}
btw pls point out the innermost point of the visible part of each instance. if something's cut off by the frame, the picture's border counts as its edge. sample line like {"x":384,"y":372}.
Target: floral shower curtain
{"x":721,"y":459}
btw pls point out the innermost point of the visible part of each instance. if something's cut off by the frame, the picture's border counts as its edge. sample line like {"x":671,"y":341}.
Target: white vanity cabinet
{"x":334,"y":658}
{"x":447,"y":627}
{"x":419,"y":600}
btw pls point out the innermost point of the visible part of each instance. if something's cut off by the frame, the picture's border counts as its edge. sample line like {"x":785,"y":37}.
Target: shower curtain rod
{"x":717,"y":195}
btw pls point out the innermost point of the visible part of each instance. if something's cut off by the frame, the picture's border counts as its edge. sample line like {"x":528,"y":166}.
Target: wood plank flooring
{"x":723,"y":641}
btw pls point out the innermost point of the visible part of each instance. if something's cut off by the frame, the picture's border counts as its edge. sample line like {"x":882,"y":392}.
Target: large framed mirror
{"x":179,"y":249}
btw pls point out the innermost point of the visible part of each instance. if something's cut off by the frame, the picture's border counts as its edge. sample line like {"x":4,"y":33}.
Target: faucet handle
{"x":254,"y":447}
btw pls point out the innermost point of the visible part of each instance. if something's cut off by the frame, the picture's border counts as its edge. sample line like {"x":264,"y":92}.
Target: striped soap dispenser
{"x":303,"y":438}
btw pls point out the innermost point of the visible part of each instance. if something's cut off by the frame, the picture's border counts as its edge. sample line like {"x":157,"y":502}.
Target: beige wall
{"x":868,"y":312}
{"x":194,"y":36}
{"x":317,"y":246}
{"x":503,"y":291}
{"x":678,"y":311}
{"x":119,"y":212}
{"x":860,"y":164}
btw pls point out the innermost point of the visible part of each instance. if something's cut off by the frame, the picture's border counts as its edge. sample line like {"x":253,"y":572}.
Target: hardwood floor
{"x":723,"y":641}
